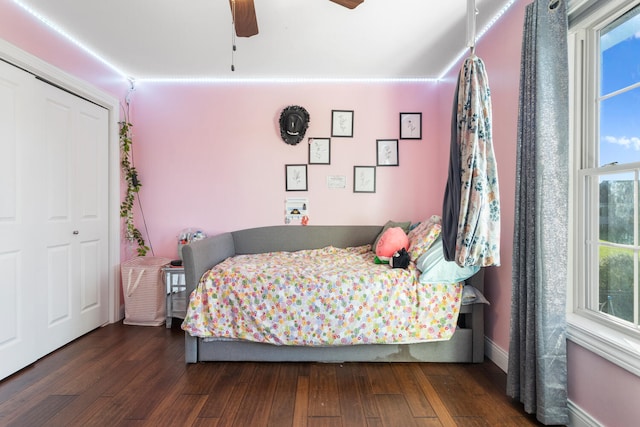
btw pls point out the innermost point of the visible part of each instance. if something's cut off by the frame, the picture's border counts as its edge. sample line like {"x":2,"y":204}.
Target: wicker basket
{"x":144,"y":291}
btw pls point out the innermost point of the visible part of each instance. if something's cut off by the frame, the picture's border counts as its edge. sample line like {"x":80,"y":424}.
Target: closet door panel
{"x":76,"y":133}
{"x":91,"y":142}
{"x":57,"y":145}
{"x":19,"y":303}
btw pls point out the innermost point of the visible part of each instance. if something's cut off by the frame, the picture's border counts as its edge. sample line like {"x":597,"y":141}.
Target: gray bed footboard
{"x":198,"y":257}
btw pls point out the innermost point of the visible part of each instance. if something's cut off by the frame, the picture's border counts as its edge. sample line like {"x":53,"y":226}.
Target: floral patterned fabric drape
{"x":471,"y":208}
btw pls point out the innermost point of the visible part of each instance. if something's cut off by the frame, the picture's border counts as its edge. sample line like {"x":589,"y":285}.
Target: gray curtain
{"x":537,"y":373}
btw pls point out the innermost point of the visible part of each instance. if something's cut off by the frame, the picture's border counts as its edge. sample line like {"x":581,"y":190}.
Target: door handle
{"x":75,"y":232}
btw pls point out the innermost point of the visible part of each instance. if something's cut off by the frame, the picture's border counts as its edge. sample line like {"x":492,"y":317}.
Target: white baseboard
{"x":577,"y":416}
{"x":496,"y":354}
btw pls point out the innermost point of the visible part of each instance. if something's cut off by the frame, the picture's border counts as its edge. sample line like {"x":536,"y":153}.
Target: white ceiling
{"x":298,"y":39}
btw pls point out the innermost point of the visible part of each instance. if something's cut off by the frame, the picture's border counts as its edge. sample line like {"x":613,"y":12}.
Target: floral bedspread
{"x":320,"y":297}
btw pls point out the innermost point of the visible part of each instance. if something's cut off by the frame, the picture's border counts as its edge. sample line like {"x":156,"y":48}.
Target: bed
{"x":306,"y":322}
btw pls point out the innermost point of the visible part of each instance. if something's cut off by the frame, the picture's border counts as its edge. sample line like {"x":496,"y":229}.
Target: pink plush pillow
{"x":391,"y":241}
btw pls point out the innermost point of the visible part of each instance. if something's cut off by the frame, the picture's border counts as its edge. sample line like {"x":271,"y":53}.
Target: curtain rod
{"x":471,"y":24}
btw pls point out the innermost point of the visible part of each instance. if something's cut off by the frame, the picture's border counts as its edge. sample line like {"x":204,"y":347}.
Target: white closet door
{"x":53,"y":218}
{"x":19,"y":298}
{"x":74,"y":215}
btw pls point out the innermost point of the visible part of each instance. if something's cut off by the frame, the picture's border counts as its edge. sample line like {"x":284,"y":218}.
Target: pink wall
{"x":211,"y":156}
{"x":604,"y":390}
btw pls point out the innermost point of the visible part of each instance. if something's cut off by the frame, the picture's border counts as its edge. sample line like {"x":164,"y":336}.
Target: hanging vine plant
{"x":131,"y":232}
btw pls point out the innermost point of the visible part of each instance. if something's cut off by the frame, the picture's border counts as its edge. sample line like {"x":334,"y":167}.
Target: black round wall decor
{"x":294,"y":121}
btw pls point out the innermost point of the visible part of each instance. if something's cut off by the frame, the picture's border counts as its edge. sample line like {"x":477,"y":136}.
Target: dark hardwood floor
{"x":132,"y":376}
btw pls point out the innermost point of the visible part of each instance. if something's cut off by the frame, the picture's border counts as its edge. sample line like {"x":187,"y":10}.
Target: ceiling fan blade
{"x":350,"y":4}
{"x":244,"y":17}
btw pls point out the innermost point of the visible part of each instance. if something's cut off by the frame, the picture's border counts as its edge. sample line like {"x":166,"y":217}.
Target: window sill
{"x":609,"y":343}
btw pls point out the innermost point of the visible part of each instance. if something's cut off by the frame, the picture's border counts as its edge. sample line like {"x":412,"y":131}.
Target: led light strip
{"x":126,"y":76}
{"x":72,"y":39}
{"x":282,"y":80}
{"x":479,"y":36}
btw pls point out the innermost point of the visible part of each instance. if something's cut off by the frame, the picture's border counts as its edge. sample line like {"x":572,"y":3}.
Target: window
{"x":605,"y":301}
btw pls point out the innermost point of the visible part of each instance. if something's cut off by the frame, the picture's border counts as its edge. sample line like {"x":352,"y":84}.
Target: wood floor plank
{"x":432,"y":396}
{"x":233,"y":407}
{"x":223,"y":389}
{"x":284,"y":397}
{"x":483,"y":405}
{"x":36,"y":372}
{"x":258,"y":399}
{"x":155,"y":387}
{"x":301,"y":408}
{"x":394,"y":410}
{"x":177,"y":410}
{"x":365,"y":392}
{"x":493,"y":405}
{"x":382,"y":379}
{"x":39,"y":415}
{"x":351,"y":399}
{"x":325,"y":422}
{"x":323,"y":391}
{"x":67,"y":415}
{"x":461,"y":401}
{"x":201,"y":378}
{"x":100,"y":412}
{"x":136,"y":376}
{"x":417,"y":401}
{"x":205,"y":422}
{"x":31,"y":397}
{"x":428,"y":422}
{"x":126,"y":403}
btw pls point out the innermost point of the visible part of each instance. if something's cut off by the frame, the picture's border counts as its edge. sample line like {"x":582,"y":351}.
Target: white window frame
{"x":602,"y":334}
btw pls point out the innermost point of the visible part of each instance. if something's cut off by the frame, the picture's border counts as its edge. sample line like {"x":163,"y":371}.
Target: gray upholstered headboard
{"x":200,"y":256}
{"x":293,"y":238}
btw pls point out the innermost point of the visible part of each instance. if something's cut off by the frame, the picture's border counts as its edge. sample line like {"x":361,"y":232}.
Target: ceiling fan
{"x":244,"y":15}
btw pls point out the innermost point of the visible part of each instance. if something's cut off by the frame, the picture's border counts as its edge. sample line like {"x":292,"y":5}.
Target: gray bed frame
{"x":466,"y":345}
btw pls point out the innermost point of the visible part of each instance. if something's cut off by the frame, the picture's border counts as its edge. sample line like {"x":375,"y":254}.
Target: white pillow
{"x":436,"y":269}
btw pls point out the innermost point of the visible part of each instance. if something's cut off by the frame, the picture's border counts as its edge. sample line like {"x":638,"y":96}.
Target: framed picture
{"x":296,"y":210}
{"x":387,"y":152}
{"x":410,"y":125}
{"x":319,"y":151}
{"x":342,"y":123}
{"x":296,"y":177}
{"x":364,"y":179}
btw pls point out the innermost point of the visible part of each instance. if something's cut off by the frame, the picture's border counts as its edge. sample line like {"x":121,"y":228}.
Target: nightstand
{"x":176,"y":293}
